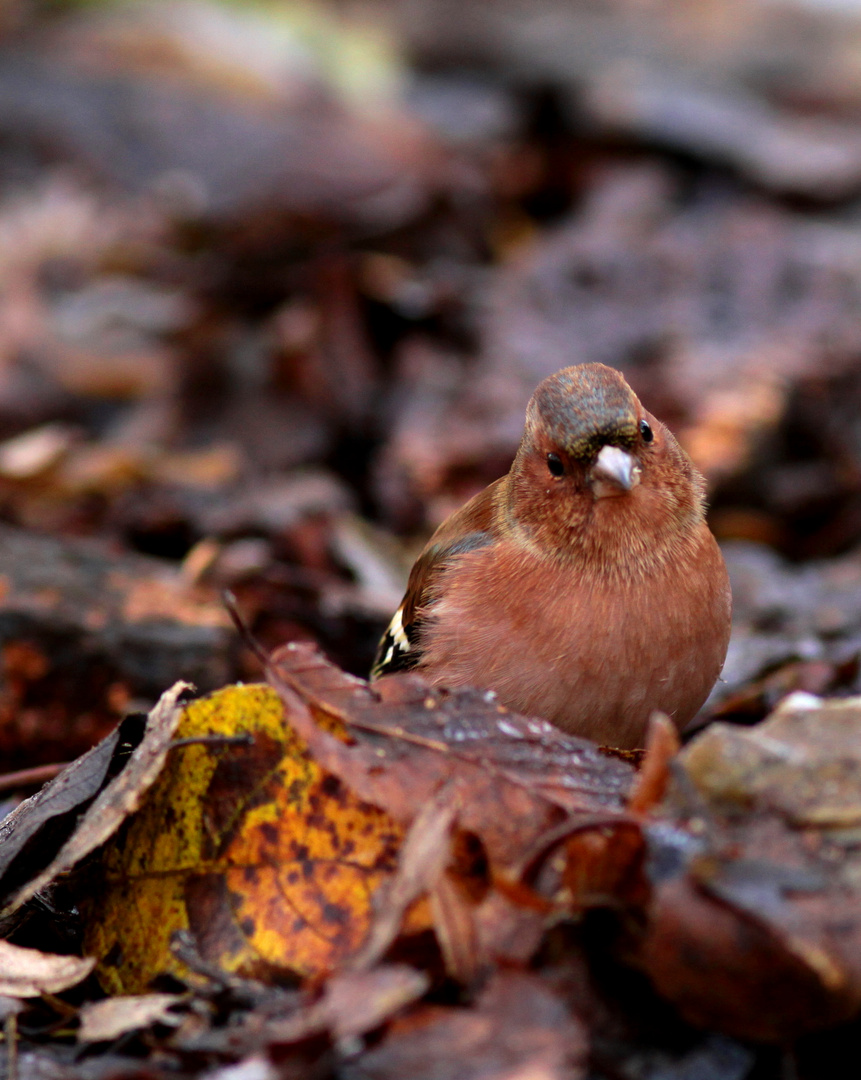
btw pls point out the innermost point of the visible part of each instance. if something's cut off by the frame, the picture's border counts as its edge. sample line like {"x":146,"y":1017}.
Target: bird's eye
{"x":554,"y":464}
{"x":646,"y":432}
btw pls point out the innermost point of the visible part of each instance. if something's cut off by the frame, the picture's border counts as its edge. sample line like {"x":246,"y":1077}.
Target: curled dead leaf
{"x":121,"y":797}
{"x":108,"y":1019}
{"x":26,"y":973}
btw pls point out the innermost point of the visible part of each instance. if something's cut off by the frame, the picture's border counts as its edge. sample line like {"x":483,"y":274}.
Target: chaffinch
{"x":585,"y":586}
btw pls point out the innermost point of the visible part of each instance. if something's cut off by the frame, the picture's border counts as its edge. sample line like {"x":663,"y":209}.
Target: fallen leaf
{"x":517,"y":1028}
{"x":72,"y":789}
{"x":409,"y":738}
{"x":754,"y":924}
{"x":28,"y":973}
{"x":510,"y":780}
{"x":119,"y":799}
{"x":350,"y":1004}
{"x":357,"y":1003}
{"x":662,"y":744}
{"x":277,"y":839}
{"x":267,"y":859}
{"x":423,"y":857}
{"x":102,"y":1021}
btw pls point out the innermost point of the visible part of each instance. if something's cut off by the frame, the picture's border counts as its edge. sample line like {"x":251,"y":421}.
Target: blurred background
{"x":278,"y":279}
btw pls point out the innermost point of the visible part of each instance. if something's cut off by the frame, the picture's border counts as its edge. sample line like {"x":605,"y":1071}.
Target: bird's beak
{"x":615,"y":471}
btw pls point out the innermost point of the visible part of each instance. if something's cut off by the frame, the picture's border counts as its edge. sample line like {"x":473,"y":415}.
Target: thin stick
{"x":38,"y":775}
{"x":229,"y":601}
{"x":10,"y":1030}
{"x":214,"y":740}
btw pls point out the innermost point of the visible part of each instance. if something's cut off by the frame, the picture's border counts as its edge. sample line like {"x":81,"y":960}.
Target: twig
{"x":10,"y":1032}
{"x":232,"y":607}
{"x":214,"y":740}
{"x":38,"y":775}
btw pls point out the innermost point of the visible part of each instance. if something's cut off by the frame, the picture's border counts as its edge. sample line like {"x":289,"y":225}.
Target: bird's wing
{"x":469,"y":528}
{"x":399,"y":648}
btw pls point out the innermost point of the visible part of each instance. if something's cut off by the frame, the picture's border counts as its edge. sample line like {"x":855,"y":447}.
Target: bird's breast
{"x":593,"y":653}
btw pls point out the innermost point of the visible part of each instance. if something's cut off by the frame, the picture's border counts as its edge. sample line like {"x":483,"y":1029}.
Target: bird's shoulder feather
{"x":473,"y":526}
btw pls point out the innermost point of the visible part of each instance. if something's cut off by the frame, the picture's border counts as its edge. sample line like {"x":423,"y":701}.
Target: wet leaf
{"x":755,"y":918}
{"x":424,"y":856}
{"x":522,"y":775}
{"x":452,"y":764}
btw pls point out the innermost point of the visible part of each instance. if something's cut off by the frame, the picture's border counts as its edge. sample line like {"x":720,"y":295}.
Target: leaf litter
{"x":306,"y":835}
{"x":244,"y":302}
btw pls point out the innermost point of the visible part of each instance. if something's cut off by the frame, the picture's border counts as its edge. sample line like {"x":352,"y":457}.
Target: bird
{"x":585,"y":586}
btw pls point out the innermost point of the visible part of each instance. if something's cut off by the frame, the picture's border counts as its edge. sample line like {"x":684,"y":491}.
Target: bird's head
{"x":592,"y":460}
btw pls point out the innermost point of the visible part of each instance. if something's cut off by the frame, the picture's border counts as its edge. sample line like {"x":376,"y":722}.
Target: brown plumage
{"x":584,"y":586}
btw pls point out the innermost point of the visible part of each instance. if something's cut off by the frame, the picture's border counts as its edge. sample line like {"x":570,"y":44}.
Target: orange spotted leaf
{"x":267,"y":859}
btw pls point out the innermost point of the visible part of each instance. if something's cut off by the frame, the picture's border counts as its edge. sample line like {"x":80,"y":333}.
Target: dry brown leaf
{"x":119,"y":799}
{"x":425,"y":851}
{"x":102,"y":1021}
{"x":517,"y":1028}
{"x":75,"y":786}
{"x":28,"y":973}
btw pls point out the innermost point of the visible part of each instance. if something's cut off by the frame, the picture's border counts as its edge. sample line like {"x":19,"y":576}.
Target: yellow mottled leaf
{"x":269,"y":861}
